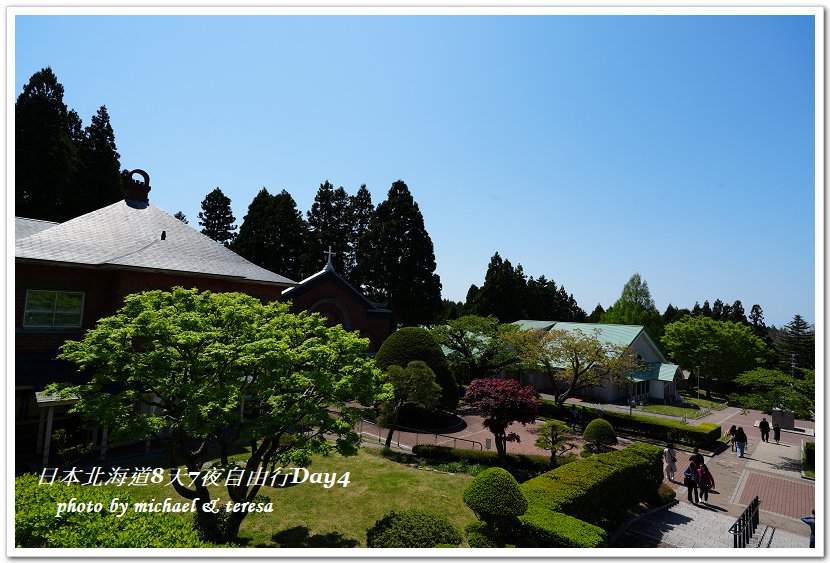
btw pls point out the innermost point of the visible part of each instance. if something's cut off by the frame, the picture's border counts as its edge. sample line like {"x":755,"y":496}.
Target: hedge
{"x":36,"y":524}
{"x":600,"y":489}
{"x":554,"y":529}
{"x":494,"y":493}
{"x":704,"y":435}
{"x":809,"y":456}
{"x":488,"y":458}
{"x":412,"y":528}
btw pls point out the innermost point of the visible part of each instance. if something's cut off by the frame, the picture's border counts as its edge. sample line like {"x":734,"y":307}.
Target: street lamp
{"x":697,"y":369}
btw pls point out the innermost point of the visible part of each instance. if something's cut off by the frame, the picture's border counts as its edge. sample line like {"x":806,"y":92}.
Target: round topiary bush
{"x":599,"y":434}
{"x":414,"y":343}
{"x":494,"y":494}
{"x":412,"y":528}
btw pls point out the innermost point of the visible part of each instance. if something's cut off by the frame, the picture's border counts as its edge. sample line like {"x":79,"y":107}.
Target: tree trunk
{"x":392,"y":429}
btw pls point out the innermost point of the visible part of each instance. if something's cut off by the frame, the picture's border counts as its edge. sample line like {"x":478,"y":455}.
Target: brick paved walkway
{"x":780,"y":496}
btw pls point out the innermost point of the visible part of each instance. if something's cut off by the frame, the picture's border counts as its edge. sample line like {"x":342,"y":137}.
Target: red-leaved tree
{"x":502,"y":402}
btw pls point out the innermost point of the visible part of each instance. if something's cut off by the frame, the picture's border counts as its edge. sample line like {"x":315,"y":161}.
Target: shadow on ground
{"x":299,"y":536}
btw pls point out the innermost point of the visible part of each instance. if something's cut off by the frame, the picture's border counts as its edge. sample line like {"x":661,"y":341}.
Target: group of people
{"x":764,"y":427}
{"x":697,"y":478}
{"x":738,"y":439}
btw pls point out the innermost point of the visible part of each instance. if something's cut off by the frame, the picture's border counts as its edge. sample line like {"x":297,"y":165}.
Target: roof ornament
{"x":136,"y":191}
{"x":329,"y":265}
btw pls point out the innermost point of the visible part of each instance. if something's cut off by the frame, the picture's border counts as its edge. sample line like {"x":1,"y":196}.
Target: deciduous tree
{"x":186,"y":367}
{"x":502,"y":402}
{"x":413,"y":385}
{"x":477,"y":345}
{"x":766,"y":389}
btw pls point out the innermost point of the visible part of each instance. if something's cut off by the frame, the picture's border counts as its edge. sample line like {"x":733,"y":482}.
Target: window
{"x":50,"y":309}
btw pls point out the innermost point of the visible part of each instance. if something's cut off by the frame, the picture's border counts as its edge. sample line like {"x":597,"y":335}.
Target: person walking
{"x":574,"y":416}
{"x":763,"y":426}
{"x":706,"y":482}
{"x":669,"y":457}
{"x":811,"y":521}
{"x":740,"y":441}
{"x":690,"y":480}
{"x":731,"y":435}
{"x":776,"y":432}
{"x":696,"y":457}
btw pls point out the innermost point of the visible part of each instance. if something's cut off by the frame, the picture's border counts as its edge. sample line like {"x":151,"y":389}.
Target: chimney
{"x":135,"y":191}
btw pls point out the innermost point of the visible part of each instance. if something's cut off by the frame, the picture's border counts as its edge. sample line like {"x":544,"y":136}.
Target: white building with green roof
{"x":657,"y":380}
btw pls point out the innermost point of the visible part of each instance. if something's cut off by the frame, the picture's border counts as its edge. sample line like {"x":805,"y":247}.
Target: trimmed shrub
{"x":36,"y":525}
{"x":494,"y":493}
{"x":600,"y":434}
{"x":809,"y":456}
{"x":480,"y":534}
{"x":601,"y":489}
{"x":538,"y":463}
{"x":554,"y":529}
{"x":664,"y":495}
{"x":412,"y":528}
{"x":414,"y":343}
{"x":662,"y":430}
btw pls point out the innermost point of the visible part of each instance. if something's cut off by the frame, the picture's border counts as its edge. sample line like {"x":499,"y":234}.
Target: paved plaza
{"x":770,"y":471}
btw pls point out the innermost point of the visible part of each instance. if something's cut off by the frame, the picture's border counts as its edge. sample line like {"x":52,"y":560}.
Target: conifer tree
{"x":798,"y":346}
{"x":181,"y":217}
{"x":360,"y":214}
{"x":273,"y":234}
{"x":737,"y":313}
{"x":46,"y":154}
{"x":596,"y":314}
{"x":400,"y":260}
{"x":216,"y":217}
{"x":98,"y":181}
{"x":328,"y":227}
{"x":636,"y":307}
{"x":504,"y":293}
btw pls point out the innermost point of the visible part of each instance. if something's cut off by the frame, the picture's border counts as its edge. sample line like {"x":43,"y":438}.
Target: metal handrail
{"x":418,"y":433}
{"x":746,"y":524}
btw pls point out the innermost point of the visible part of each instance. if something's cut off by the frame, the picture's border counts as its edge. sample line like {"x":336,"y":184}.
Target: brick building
{"x":69,"y":275}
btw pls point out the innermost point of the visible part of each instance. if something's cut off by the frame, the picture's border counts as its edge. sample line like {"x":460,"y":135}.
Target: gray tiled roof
{"x":129,"y":235}
{"x":27,"y":227}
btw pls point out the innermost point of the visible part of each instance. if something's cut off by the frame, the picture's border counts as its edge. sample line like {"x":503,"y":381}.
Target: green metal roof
{"x":655,"y":371}
{"x":621,"y":335}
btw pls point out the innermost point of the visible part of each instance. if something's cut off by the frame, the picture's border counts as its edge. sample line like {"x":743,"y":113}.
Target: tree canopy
{"x":413,"y":385}
{"x":195,"y":369}
{"x":216,"y":217}
{"x":477,"y":345}
{"x":399,"y":260}
{"x":328,"y":227}
{"x":635,"y":307}
{"x":502,"y":402}
{"x":766,"y":389}
{"x":720,"y":349}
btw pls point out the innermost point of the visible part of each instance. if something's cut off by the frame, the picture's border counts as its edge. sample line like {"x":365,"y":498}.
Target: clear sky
{"x":585,"y":148}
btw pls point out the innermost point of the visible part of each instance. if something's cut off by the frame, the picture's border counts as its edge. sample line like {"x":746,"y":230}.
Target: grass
{"x":673,"y":410}
{"x":308,"y":515}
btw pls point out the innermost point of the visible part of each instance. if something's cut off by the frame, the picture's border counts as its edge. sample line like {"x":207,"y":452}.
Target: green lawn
{"x":307,"y":515}
{"x":673,"y":410}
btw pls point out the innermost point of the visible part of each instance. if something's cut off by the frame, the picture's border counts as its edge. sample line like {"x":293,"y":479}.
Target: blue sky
{"x":586,"y":148}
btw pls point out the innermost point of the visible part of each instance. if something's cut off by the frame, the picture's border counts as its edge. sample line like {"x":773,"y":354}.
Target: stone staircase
{"x":770,"y":537}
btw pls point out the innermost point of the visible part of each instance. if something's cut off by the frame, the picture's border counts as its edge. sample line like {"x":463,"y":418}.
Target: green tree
{"x":555,"y":436}
{"x":504,"y":293}
{"x":181,"y":217}
{"x":547,"y":301}
{"x":719,"y":349}
{"x":502,"y":402}
{"x":717,"y":310}
{"x":187,"y":367}
{"x":400,"y":260}
{"x":572,"y":359}
{"x":599,"y":435}
{"x":766,"y":389}
{"x":273,"y":234}
{"x":635,"y":307}
{"x":216,"y":217}
{"x":797,"y":346}
{"x":328,"y":227}
{"x":413,"y":343}
{"x":46,"y":151}
{"x":737,"y":313}
{"x":476,"y":345}
{"x":596,"y":314}
{"x":98,"y":178}
{"x":360,"y":212}
{"x":413,"y":385}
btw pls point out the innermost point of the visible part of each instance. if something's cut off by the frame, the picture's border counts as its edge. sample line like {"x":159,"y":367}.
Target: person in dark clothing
{"x":690,"y":479}
{"x":574,"y":416}
{"x":731,"y":435}
{"x":763,"y":426}
{"x":776,"y":432}
{"x":696,"y":457}
{"x":811,"y":521}
{"x":740,"y":441}
{"x":705,"y":482}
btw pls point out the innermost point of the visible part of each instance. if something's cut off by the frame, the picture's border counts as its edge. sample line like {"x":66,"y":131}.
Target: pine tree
{"x":46,"y":153}
{"x":98,"y":181}
{"x":596,"y":314}
{"x":400,"y":260}
{"x":328,"y":227}
{"x":696,"y":310}
{"x":798,"y":346}
{"x":706,"y":310}
{"x":361,"y":210}
{"x":216,"y":217}
{"x":636,"y":307}
{"x":669,"y":314}
{"x":737,"y":313}
{"x":756,"y":320}
{"x":181,"y":217}
{"x":717,"y":310}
